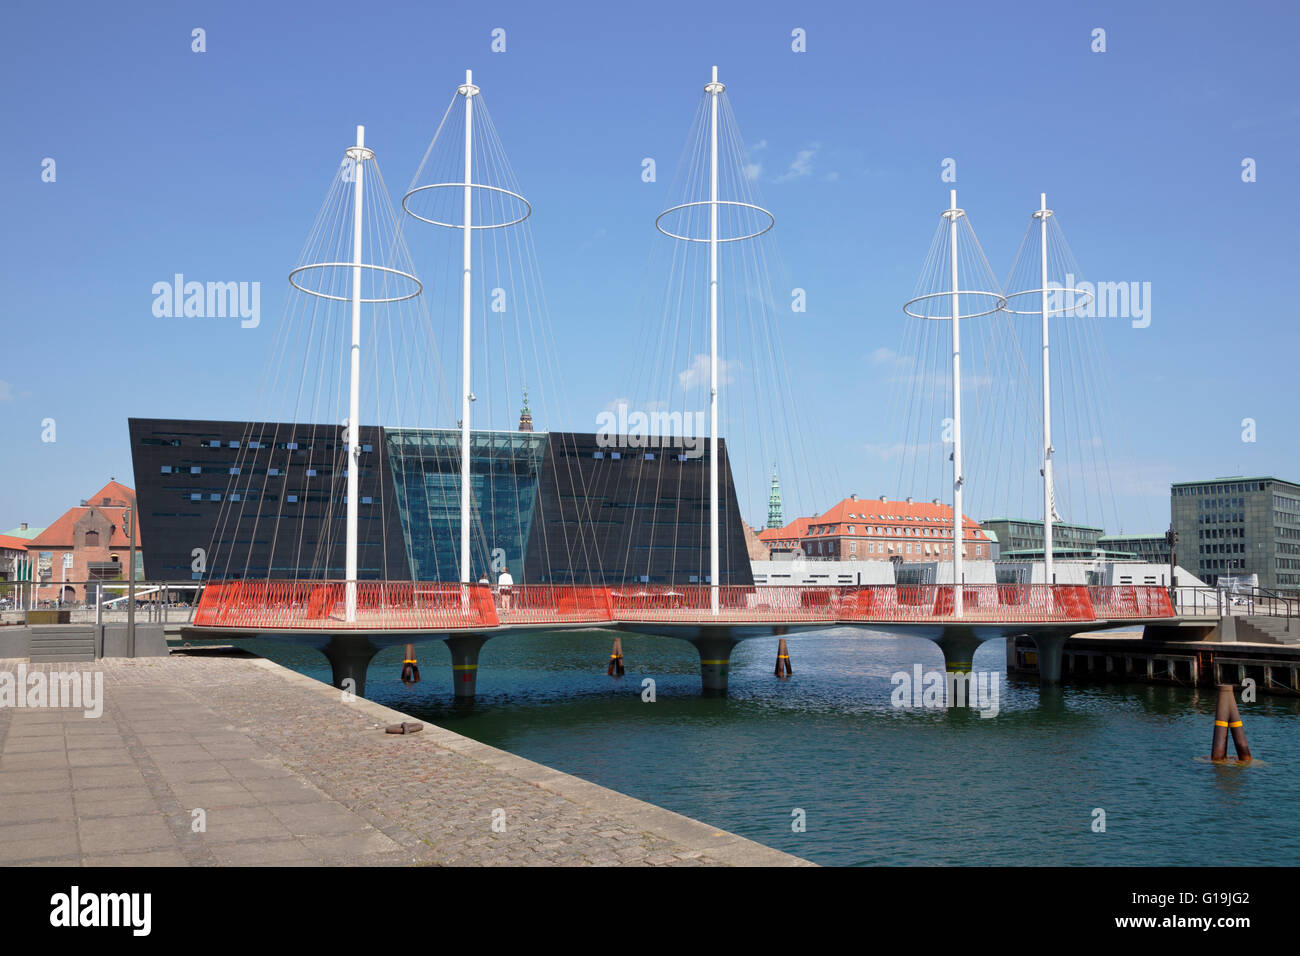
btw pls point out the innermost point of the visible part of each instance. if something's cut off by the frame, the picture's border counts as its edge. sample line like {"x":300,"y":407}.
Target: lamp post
{"x":128,"y":520}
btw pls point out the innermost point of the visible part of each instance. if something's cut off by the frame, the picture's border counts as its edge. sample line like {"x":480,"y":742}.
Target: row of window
{"x":238,"y":470}
{"x":297,"y":445}
{"x":1218,"y":504}
{"x":1223,"y":517}
{"x":828,"y":548}
{"x":1225,"y":489}
{"x":904,"y":531}
{"x":1221,"y":533}
{"x":292,"y":499}
{"x":645,"y":456}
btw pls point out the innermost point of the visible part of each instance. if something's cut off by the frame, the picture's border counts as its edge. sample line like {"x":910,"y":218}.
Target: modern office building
{"x":1233,"y":527}
{"x":1022,"y":538}
{"x":268,"y":500}
{"x":1148,"y":548}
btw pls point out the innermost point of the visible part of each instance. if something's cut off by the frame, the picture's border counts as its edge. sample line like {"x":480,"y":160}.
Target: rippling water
{"x":878,"y":785}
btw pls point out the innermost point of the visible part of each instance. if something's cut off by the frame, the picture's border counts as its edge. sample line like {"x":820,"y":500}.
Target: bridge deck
{"x":431,"y":606}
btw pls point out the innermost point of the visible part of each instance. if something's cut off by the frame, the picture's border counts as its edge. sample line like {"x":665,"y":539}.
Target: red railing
{"x":432,"y":606}
{"x":981,"y":603}
{"x":736,"y":605}
{"x":1130,"y":602}
{"x":553,"y":604}
{"x":322,"y":605}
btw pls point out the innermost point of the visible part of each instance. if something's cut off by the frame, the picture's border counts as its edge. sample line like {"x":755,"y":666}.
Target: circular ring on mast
{"x":528,"y":209}
{"x":999,"y":300}
{"x":359,"y":154}
{"x":311,"y":266}
{"x":1087,"y":299}
{"x":771,"y":220}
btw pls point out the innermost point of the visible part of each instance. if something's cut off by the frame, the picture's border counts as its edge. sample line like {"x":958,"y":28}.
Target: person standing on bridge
{"x":505,"y":584}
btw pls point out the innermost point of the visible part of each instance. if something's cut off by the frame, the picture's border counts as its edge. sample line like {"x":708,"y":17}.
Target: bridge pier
{"x":958,"y":645}
{"x":349,"y":656}
{"x":715,"y":663}
{"x":464,"y":662}
{"x":1049,"y":644}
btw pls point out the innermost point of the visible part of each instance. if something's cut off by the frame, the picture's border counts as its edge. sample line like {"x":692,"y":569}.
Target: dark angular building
{"x":268,"y":500}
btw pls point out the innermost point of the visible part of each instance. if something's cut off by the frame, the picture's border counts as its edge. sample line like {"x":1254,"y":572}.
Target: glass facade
{"x":505,"y":469}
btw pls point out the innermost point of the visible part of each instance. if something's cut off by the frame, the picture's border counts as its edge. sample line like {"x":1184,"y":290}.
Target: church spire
{"x":774,"y":519}
{"x":525,"y":414}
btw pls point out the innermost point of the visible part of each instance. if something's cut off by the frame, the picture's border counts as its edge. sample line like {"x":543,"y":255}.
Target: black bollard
{"x":616,"y":659}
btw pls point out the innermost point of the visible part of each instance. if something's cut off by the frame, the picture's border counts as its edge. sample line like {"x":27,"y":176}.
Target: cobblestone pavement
{"x":287,"y":772}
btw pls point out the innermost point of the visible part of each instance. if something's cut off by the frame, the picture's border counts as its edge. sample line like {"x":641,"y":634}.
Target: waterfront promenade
{"x":288,"y":772}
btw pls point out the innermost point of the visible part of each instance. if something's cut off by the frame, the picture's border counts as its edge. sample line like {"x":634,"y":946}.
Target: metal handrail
{"x":1219,"y":602}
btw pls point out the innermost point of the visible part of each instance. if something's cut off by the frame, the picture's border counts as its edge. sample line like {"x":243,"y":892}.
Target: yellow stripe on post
{"x":464,"y":667}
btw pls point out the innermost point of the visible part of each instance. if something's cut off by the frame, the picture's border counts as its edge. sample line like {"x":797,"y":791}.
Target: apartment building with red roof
{"x":879,"y":529}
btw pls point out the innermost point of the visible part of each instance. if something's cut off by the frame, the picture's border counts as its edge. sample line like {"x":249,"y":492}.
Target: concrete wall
{"x":14,"y":641}
{"x":150,"y":641}
{"x":825,"y":573}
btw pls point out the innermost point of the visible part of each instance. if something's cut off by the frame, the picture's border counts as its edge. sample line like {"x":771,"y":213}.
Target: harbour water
{"x":877,"y":785}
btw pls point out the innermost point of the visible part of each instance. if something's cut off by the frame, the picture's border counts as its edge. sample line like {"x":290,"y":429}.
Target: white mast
{"x":359,"y":154}
{"x":1048,"y":492}
{"x":958,"y":532}
{"x":715,"y":90}
{"x":468,"y":91}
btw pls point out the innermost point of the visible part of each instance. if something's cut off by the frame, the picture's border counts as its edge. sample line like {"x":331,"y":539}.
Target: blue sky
{"x":215,"y":164}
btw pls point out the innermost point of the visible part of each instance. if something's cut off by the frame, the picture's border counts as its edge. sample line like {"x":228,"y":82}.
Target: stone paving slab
{"x":284,"y":770}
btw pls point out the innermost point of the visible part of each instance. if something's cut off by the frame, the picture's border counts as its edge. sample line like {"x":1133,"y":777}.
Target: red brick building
{"x":86,"y":543}
{"x":877,"y":529}
{"x":787,"y":540}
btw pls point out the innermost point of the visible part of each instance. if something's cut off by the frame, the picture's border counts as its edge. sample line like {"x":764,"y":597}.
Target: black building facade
{"x":268,"y":500}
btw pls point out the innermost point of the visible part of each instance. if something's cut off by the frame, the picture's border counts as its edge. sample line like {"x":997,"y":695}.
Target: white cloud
{"x":752,"y":171}
{"x":802,"y":165}
{"x":698,"y":372}
{"x":6,"y":391}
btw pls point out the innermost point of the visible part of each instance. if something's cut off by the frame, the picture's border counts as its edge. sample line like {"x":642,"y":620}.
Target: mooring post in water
{"x":1238,"y":731}
{"x":1227,"y":717}
{"x":783,"y":669}
{"x":410,"y":666}
{"x":616,"y":659}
